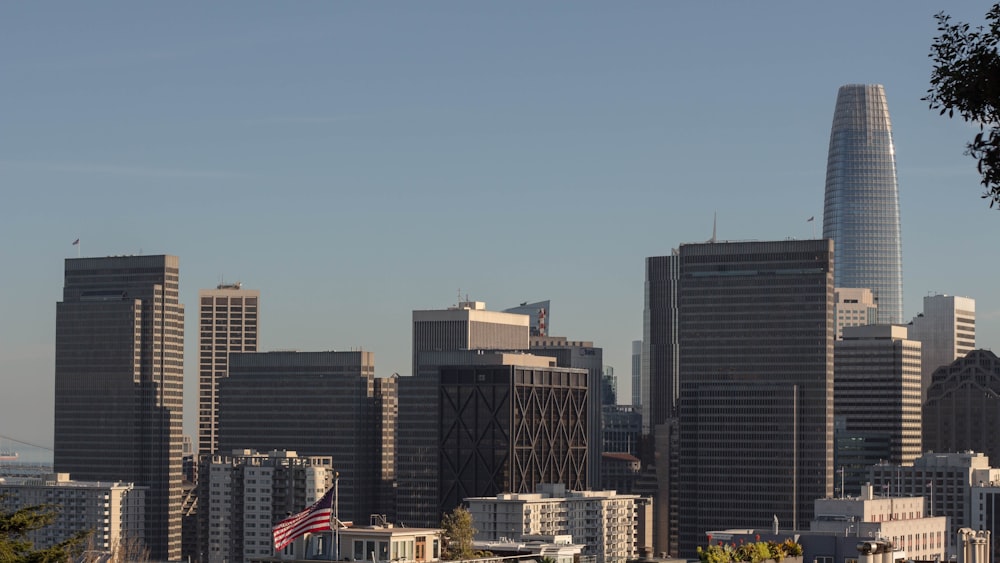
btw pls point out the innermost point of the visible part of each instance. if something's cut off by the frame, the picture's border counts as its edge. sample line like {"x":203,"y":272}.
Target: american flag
{"x":316,"y":518}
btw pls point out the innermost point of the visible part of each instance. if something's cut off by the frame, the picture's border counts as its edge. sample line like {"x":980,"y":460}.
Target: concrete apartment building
{"x":604,"y":521}
{"x":317,"y":404}
{"x":947,"y":331}
{"x":115,"y":512}
{"x":962,"y":409}
{"x":756,"y":332}
{"x":119,"y":380}
{"x":853,"y":306}
{"x":245,"y":493}
{"x":876,"y":395}
{"x":228,"y":321}
{"x":945,"y":480}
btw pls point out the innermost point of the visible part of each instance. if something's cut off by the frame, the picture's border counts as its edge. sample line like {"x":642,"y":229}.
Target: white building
{"x":114,"y":511}
{"x":947,"y":331}
{"x":945,"y":480}
{"x":604,"y":521}
{"x":249,"y":492}
{"x":901,"y":520}
{"x":853,"y":306}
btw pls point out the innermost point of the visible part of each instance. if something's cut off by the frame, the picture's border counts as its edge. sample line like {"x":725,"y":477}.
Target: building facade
{"x":637,"y":373}
{"x":244,"y":494}
{"x":505,"y":422}
{"x":113,"y":512}
{"x":538,"y":315}
{"x":603,"y":521}
{"x":316,"y":404}
{"x":227,"y":322}
{"x":755,"y":326}
{"x":119,"y":377}
{"x":584,"y":355}
{"x":876,"y":392}
{"x":946,"y":329}
{"x":853,"y":307}
{"x":861,"y":203}
{"x":659,"y":386}
{"x":945,"y":480}
{"x":962,"y":410}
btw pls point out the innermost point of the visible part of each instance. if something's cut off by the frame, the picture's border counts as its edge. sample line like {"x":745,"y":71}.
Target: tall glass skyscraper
{"x":861,"y":208}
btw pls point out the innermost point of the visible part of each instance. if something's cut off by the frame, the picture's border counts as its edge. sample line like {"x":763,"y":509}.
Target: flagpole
{"x":336,"y":515}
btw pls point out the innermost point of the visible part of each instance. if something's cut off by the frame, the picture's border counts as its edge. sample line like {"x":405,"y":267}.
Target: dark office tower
{"x":756,"y":384}
{"x":315,"y":404}
{"x":962,"y":411}
{"x":119,"y":383}
{"x":581,"y":354}
{"x":659,"y":340}
{"x":506,"y":422}
{"x":637,"y":373}
{"x":861,"y":207}
{"x":227,"y":323}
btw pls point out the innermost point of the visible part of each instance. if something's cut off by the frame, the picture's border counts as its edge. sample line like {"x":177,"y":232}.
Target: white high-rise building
{"x":228,"y":323}
{"x":605,"y":521}
{"x":947,"y":331}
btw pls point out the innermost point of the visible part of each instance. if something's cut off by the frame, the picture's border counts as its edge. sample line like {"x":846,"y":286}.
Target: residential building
{"x":603,"y":521}
{"x":317,"y":404}
{"x":114,"y":512}
{"x":853,"y":306}
{"x":383,"y":542}
{"x":584,"y":355}
{"x":506,"y":422}
{"x":876,"y":392}
{"x":755,"y":326}
{"x":861,"y":202}
{"x":227,"y":322}
{"x":538,"y":315}
{"x":945,"y":479}
{"x":962,"y":410}
{"x":947,"y":331}
{"x":245,"y":493}
{"x":119,"y":380}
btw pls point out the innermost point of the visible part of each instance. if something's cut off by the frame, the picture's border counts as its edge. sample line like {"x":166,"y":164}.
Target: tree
{"x":966,"y":80}
{"x":15,"y":547}
{"x":458,"y":534}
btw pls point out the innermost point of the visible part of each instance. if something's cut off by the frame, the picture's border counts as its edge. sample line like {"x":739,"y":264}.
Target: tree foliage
{"x":16,"y":548}
{"x":458,"y":534}
{"x":966,"y":80}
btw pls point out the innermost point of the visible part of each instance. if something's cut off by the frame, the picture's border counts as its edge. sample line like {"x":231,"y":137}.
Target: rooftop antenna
{"x":715,"y":216}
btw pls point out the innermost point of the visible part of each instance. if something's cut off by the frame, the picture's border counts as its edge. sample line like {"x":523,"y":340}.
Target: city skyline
{"x":348,"y":161}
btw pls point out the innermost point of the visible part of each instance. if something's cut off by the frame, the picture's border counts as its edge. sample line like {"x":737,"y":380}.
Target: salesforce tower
{"x":861,"y":207}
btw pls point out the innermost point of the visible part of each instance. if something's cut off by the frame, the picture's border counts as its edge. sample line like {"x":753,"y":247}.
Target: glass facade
{"x":861,"y":208}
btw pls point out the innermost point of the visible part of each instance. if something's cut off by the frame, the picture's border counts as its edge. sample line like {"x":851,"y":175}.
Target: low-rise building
{"x":604,"y":521}
{"x":114,"y":511}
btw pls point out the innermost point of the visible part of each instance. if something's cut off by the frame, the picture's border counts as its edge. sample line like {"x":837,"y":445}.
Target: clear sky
{"x":357,"y":161}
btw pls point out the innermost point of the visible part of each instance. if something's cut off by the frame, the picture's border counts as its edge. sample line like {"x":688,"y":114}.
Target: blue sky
{"x":356,"y":161}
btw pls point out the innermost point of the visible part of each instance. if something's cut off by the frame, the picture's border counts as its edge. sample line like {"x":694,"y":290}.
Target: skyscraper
{"x":316,"y":404}
{"x":861,"y":207}
{"x":119,"y":383}
{"x":947,"y":330}
{"x":755,"y":326}
{"x":228,"y":323}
